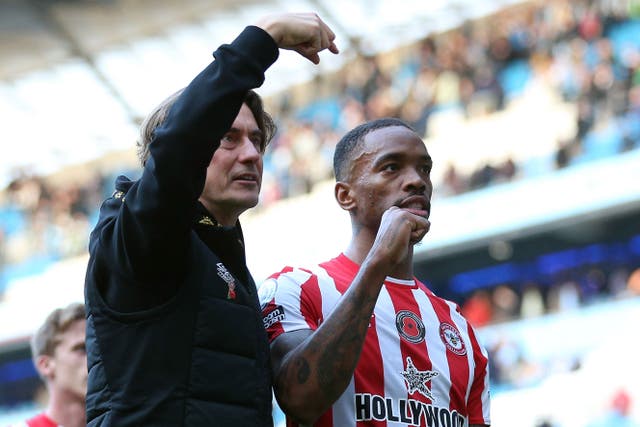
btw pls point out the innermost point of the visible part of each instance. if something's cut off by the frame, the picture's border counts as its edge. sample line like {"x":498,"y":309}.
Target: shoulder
{"x":292,"y":275}
{"x":432,"y":296}
{"x":293,"y":282}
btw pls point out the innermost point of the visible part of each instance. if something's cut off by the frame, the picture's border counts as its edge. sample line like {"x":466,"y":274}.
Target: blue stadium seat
{"x":514,"y":78}
{"x":12,"y":220}
{"x":602,"y":143}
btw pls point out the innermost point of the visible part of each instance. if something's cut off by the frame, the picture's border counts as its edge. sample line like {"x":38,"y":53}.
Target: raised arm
{"x":312,"y":369}
{"x":148,"y":238}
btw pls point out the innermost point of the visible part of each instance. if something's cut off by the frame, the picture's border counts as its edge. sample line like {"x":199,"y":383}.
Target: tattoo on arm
{"x":313,"y":368}
{"x":302,"y":369}
{"x":337,"y":348}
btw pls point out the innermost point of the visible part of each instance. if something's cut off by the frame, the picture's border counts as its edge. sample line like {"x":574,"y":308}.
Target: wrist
{"x":257,"y":44}
{"x":270,"y":25}
{"x":376,"y":267}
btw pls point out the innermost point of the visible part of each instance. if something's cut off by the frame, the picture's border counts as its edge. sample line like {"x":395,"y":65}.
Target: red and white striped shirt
{"x":421,"y":364}
{"x":40,"y":420}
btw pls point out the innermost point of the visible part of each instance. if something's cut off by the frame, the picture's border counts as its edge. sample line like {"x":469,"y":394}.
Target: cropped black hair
{"x":346,"y":146}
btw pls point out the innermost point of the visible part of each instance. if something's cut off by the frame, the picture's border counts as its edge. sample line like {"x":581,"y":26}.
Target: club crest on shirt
{"x":228,"y":278}
{"x":417,"y":380}
{"x":410,"y":326}
{"x":452,"y":339}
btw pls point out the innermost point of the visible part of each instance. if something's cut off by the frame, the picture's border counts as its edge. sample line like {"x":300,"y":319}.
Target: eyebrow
{"x":79,"y":345}
{"x":398,"y":156}
{"x":252,"y":133}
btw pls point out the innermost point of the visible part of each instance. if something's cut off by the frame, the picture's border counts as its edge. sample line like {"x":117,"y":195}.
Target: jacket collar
{"x":205,"y":220}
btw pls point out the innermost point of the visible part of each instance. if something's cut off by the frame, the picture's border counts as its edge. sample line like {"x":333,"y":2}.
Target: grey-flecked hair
{"x":159,"y":114}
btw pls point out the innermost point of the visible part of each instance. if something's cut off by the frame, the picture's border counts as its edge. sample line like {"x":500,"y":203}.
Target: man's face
{"x":391,"y":167}
{"x":234,"y":175}
{"x":67,"y":368}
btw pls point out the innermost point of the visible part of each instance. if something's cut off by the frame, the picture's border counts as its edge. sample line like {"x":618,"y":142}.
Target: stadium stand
{"x":515,"y":104}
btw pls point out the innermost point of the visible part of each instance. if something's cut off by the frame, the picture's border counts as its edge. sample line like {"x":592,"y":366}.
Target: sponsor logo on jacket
{"x":229,"y":280}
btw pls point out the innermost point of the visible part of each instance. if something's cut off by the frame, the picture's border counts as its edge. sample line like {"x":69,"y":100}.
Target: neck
{"x":66,"y":410}
{"x":360,"y":246}
{"x":222,"y":215}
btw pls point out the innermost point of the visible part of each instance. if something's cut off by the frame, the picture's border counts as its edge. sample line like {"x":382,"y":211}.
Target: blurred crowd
{"x":588,"y":51}
{"x":565,"y":292}
{"x":42,"y":223}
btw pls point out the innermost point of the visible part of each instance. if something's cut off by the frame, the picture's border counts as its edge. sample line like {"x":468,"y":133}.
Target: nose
{"x":417,"y":182}
{"x":249,"y":152}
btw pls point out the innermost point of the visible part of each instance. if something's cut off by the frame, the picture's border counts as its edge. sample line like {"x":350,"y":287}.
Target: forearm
{"x":314,"y":374}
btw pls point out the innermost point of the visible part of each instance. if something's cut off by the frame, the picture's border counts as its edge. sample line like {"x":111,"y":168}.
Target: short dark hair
{"x":352,"y":139}
{"x":159,"y":115}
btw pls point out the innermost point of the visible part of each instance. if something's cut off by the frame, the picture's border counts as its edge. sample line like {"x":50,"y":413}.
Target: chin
{"x":248,"y":203}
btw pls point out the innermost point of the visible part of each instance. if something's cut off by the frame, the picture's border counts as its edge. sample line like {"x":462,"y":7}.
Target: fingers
{"x":418,"y":233}
{"x":329,"y":38}
{"x":320,"y":38}
{"x":305,"y":33}
{"x":311,"y":53}
{"x":417,"y":225}
{"x":399,"y":230}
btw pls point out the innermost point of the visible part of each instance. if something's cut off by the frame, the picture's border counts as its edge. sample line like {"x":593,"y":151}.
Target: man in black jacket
{"x":174,"y":331}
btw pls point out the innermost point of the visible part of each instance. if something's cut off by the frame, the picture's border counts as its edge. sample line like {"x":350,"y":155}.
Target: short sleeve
{"x":286,"y":305}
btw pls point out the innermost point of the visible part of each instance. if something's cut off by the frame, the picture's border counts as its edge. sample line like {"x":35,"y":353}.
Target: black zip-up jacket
{"x":174,"y":332}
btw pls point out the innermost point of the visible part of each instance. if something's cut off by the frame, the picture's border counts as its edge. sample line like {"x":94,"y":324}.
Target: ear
{"x":45,"y":366}
{"x":344,"y":197}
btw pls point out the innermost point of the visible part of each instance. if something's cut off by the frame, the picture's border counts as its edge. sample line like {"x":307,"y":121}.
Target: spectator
{"x":478,"y":308}
{"x":634,"y":282}
{"x":618,"y":413}
{"x":532,"y":304}
{"x":58,"y":351}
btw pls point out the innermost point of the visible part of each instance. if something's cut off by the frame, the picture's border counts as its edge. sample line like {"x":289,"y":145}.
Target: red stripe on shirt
{"x":280,"y":273}
{"x":458,"y":364}
{"x":403,"y":300}
{"x":41,"y":420}
{"x":476,"y":415}
{"x":368,"y":376}
{"x":275,"y":329}
{"x":311,"y":302}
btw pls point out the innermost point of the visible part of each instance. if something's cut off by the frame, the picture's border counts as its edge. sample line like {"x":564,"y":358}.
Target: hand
{"x":399,"y":230}
{"x":304,"y":33}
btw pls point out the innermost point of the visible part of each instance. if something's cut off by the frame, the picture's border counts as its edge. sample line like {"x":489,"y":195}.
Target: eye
{"x":258,"y":143}
{"x":390,"y":167}
{"x":228,"y":140}
{"x":426,"y":168}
